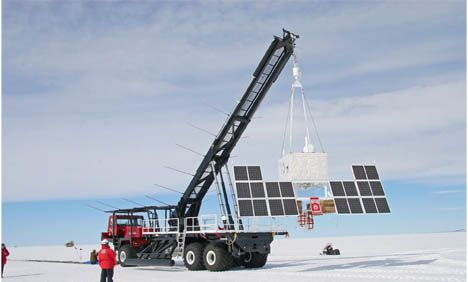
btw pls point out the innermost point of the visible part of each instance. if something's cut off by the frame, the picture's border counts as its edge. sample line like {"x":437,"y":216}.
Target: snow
{"x":408,"y":257}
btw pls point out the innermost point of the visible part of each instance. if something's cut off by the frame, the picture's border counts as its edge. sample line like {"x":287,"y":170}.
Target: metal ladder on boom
{"x":181,"y":242}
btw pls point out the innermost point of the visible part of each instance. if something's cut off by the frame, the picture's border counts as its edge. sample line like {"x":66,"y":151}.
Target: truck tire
{"x":217,"y":258}
{"x":254,"y":260}
{"x":237,"y":261}
{"x":126,"y":252}
{"x":193,"y":256}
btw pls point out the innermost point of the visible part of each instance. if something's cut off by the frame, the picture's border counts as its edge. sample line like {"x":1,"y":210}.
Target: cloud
{"x":95,"y":94}
{"x":412,"y":134}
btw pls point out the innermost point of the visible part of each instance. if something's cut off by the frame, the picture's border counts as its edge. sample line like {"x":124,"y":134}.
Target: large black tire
{"x":126,"y":252}
{"x":217,"y":258}
{"x":193,"y":256}
{"x":336,"y":252}
{"x":254,"y":260}
{"x":237,"y":262}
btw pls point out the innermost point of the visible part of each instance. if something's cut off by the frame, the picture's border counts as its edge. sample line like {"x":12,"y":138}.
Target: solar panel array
{"x":363,"y":195}
{"x":258,"y":198}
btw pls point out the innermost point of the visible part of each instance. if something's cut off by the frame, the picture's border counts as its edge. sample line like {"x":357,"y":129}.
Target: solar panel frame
{"x":245,"y":207}
{"x":240,"y":173}
{"x":341,"y":205}
{"x":290,"y":207}
{"x":257,"y":190}
{"x":369,"y":205}
{"x":263,"y":198}
{"x":364,"y":188}
{"x":376,"y":188}
{"x":359,"y":172}
{"x":337,"y":188}
{"x":355,"y":206}
{"x":273,"y":190}
{"x":371,"y":172}
{"x":276,"y":207}
{"x":287,"y":190}
{"x":350,"y":188}
{"x":382,"y":205}
{"x":255,"y":173}
{"x":243,"y":190}
{"x":260,"y":207}
{"x":365,"y":195}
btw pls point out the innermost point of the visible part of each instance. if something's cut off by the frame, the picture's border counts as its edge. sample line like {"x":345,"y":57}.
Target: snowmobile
{"x":329,"y":251}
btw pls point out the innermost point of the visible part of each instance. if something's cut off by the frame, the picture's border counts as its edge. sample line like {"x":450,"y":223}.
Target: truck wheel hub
{"x":248,"y":257}
{"x":211,"y":257}
{"x":190,"y":257}
{"x":123,"y":256}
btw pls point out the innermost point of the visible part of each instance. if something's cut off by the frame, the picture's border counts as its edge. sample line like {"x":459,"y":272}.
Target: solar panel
{"x":355,"y":205}
{"x":371,"y":172}
{"x":369,"y":205}
{"x":363,"y":195}
{"x":257,"y":189}
{"x":350,"y":188}
{"x":273,"y":190}
{"x":260,"y":207}
{"x":359,"y":172}
{"x":364,"y":188}
{"x":245,"y":208}
{"x":287,"y":190}
{"x":382,"y":205}
{"x":258,"y":198}
{"x":240,"y":173}
{"x":290,"y":207}
{"x":254,"y":173}
{"x":337,"y":188}
{"x":243,"y":190}
{"x":377,"y":189}
{"x":276,"y":207}
{"x":341,"y":206}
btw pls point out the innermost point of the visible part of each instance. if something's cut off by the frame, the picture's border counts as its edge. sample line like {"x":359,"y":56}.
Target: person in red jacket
{"x":107,"y":261}
{"x":5,"y":253}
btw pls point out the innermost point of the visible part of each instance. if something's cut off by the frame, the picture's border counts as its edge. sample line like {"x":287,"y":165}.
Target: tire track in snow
{"x":372,"y":277}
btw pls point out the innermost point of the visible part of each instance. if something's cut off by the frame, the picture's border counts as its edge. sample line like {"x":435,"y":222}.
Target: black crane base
{"x":149,"y":262}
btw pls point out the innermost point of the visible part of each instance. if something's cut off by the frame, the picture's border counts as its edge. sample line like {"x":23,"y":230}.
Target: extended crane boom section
{"x":219,"y":152}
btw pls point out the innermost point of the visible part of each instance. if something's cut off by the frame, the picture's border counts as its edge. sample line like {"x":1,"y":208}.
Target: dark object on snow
{"x":70,"y":244}
{"x":93,"y":258}
{"x":328,"y":250}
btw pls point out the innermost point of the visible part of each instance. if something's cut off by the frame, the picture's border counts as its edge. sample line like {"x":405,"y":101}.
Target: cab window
{"x":129,"y":221}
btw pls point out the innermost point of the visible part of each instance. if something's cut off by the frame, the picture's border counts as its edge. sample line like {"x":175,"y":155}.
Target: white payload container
{"x":309,"y":167}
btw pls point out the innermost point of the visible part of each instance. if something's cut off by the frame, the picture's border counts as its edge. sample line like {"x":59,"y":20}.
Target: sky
{"x":96,"y":95}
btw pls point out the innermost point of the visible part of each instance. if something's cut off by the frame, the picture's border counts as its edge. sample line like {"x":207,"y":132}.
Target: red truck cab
{"x":124,"y":226}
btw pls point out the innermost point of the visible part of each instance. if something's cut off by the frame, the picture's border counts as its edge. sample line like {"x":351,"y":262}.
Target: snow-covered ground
{"x":415,"y":257}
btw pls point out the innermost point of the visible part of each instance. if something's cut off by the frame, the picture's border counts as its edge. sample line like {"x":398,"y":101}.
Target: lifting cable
{"x":315,"y":126}
{"x":306,"y":111}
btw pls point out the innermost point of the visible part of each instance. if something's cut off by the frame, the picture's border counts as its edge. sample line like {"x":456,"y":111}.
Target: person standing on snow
{"x":107,"y":261}
{"x":5,"y":253}
{"x":93,"y":257}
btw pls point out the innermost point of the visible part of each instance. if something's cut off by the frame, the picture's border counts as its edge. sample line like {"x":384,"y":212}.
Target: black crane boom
{"x":219,"y":152}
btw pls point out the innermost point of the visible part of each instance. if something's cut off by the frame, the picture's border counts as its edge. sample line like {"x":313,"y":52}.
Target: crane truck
{"x":154,"y":235}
